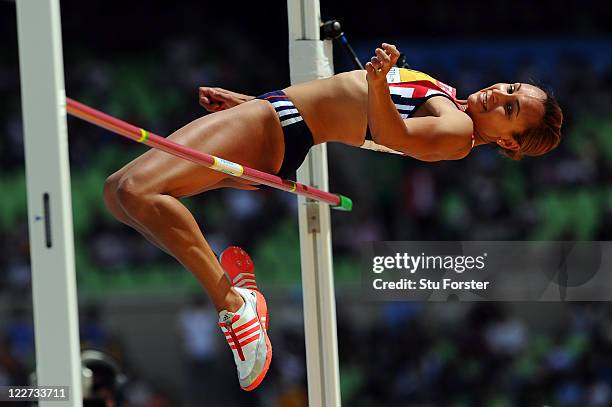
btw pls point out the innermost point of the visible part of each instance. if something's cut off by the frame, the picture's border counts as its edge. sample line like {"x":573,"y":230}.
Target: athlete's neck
{"x":479,"y":139}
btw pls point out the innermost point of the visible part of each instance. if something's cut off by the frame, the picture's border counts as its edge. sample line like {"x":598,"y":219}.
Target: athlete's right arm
{"x":431,"y":138}
{"x":216,"y":99}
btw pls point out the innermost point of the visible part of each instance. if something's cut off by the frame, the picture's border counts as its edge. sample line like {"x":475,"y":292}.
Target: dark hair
{"x":542,"y":138}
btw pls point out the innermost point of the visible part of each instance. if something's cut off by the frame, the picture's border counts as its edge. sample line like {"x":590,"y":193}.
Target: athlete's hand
{"x":381,"y":63}
{"x":216,"y":99}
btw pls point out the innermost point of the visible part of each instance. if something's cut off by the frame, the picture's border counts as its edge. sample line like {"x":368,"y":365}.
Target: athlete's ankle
{"x":233,"y":301}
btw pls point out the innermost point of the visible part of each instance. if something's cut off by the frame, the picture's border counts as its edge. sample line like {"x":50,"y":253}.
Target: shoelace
{"x":228,"y":326}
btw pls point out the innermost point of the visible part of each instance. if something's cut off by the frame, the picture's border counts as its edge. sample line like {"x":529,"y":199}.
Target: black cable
{"x":332,"y":30}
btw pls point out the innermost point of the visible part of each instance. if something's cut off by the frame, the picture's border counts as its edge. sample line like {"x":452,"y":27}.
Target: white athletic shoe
{"x":247,"y":338}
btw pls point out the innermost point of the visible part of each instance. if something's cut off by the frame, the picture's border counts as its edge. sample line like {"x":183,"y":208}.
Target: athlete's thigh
{"x":249,"y":134}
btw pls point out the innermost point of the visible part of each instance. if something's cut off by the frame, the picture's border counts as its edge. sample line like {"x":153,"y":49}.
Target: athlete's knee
{"x":110,"y":194}
{"x":130,"y":195}
{"x":121,"y":194}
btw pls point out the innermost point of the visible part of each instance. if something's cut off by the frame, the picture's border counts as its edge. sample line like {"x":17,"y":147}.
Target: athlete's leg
{"x":112,"y":203}
{"x":110,"y":199}
{"x":145,"y":193}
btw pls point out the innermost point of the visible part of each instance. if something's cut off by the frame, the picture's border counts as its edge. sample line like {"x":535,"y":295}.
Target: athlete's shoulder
{"x":459,"y":130}
{"x":457,"y":123}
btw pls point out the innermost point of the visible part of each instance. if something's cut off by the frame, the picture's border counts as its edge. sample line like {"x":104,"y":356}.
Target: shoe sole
{"x":237,"y":264}
{"x":262,"y":309}
{"x":235,"y":261}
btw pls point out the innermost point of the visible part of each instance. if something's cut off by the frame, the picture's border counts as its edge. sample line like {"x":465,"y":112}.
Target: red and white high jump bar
{"x":143,"y":136}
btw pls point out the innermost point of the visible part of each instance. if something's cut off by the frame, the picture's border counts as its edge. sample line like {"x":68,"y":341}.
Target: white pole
{"x":49,"y":205}
{"x":311,"y":58}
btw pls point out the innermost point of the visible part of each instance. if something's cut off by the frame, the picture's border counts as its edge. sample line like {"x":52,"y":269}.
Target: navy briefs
{"x":297,"y":135}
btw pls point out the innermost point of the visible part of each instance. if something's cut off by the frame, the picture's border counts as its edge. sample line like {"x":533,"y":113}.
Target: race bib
{"x":394,"y":75}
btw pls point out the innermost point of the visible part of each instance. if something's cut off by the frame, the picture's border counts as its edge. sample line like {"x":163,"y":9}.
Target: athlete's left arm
{"x":216,"y":99}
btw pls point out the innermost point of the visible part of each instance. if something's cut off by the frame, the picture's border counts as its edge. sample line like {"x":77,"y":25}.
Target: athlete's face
{"x":503,"y":109}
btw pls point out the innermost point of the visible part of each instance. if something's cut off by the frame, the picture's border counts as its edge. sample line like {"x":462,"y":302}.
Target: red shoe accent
{"x":238,"y":267}
{"x":249,"y":331}
{"x":246,"y":341}
{"x":240,"y":271}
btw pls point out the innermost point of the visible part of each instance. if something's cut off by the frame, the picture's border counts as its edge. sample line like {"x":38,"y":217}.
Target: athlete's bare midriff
{"x":335,"y":108}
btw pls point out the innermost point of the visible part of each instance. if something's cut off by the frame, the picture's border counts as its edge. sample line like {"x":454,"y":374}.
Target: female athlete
{"x":384,"y":107}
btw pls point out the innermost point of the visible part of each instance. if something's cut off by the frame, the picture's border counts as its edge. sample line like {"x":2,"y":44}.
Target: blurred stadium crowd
{"x":400,"y":354}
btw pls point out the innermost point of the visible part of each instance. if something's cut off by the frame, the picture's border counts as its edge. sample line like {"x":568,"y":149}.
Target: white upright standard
{"x":311,"y":58}
{"x":49,"y":206}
